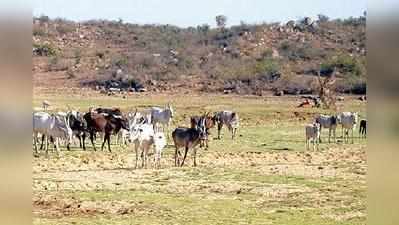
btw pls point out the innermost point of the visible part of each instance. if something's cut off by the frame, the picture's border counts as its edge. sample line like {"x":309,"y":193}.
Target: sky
{"x":186,"y":13}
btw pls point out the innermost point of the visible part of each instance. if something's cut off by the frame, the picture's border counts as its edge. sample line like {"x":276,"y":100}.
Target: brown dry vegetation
{"x":247,"y":59}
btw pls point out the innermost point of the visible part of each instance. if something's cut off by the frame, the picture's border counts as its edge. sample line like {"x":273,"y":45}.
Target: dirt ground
{"x":266,"y":176}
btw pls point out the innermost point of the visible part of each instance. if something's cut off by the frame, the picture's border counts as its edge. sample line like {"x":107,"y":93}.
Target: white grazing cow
{"x":143,"y":137}
{"x":329,"y":122}
{"x":312,"y":134}
{"x":51,"y":126}
{"x":348,"y":120}
{"x":228,"y":118}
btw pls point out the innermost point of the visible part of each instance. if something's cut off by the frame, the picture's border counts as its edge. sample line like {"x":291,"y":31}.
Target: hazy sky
{"x":194,"y":12}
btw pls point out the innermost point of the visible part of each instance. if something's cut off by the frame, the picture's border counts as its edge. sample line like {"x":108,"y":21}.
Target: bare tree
{"x":221,"y":21}
{"x":327,"y":93}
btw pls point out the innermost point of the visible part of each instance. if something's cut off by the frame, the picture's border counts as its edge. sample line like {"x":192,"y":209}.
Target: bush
{"x":38,"y":31}
{"x":345,"y":64}
{"x":64,"y":29}
{"x":267,"y":67}
{"x":303,"y":52}
{"x":120,"y":61}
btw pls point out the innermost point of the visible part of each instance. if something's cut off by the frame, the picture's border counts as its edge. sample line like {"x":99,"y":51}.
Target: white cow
{"x":329,"y":122}
{"x":54,"y":126}
{"x":312,"y":134}
{"x":143,"y":136}
{"x":230,"y":119}
{"x":348,"y":120}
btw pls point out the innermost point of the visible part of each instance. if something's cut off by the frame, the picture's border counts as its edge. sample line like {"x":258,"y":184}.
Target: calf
{"x":329,"y":122}
{"x":143,"y":136}
{"x":105,"y":123}
{"x":228,"y":118}
{"x":187,"y":138}
{"x":312,"y":134}
{"x":363,"y":128}
{"x":53,"y":126}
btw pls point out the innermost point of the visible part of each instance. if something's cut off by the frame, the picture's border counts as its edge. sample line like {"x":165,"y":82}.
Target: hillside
{"x":244,"y":59}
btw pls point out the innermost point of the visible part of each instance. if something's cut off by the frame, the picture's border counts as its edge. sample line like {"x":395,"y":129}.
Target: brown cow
{"x":105,"y":123}
{"x":210,"y":122}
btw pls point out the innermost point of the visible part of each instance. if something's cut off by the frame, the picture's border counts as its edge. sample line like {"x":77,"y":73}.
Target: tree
{"x":327,"y":93}
{"x":221,"y":21}
{"x":323,"y":18}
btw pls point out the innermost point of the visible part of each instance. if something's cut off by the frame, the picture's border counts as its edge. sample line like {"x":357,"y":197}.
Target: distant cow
{"x":210,"y":122}
{"x":348,"y":120}
{"x":188,"y":138}
{"x":104,"y":123}
{"x":54,"y":126}
{"x":162,"y":117}
{"x":329,"y":122}
{"x":228,"y":118}
{"x":312,"y":134}
{"x":363,"y":128}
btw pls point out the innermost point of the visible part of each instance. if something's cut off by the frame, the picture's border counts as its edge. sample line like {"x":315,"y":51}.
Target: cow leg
{"x":185,"y":155}
{"x":46,"y":145}
{"x":35,"y":142}
{"x":352,"y":136}
{"x":320,"y":134}
{"x":220,"y":125}
{"x":56,"y":144}
{"x":92,"y":140}
{"x":41,"y":146}
{"x":195,"y":156}
{"x":136,"y":149}
{"x":176,"y":160}
{"x":329,"y":135}
{"x":334,"y":133}
{"x":83,"y":141}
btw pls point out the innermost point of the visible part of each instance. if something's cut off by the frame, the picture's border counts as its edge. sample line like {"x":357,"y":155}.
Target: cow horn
{"x":117,"y":116}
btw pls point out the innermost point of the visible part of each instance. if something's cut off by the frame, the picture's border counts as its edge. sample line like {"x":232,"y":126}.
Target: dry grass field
{"x":265,"y":176}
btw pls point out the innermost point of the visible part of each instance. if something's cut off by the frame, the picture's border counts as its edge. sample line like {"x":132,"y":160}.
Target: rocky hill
{"x":244,"y":59}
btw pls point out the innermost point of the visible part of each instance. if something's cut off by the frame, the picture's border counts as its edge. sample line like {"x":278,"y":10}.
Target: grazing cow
{"x":53,"y":126}
{"x":312,"y":134}
{"x":143,"y":136}
{"x":187,"y":138}
{"x":79,"y":126}
{"x":105,"y":123}
{"x":162,"y":117}
{"x":210,"y":122}
{"x":348,"y":120}
{"x":329,"y":122}
{"x":230,"y":119}
{"x":363,"y":128}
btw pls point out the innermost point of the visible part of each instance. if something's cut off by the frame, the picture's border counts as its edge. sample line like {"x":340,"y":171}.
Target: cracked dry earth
{"x":330,"y":184}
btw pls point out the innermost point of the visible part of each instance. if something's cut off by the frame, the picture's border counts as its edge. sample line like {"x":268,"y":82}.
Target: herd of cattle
{"x":142,"y":129}
{"x":150,"y":128}
{"x":348,"y":120}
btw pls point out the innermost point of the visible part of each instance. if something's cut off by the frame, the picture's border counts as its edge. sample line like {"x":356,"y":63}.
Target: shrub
{"x":64,"y":29}
{"x":346,"y":64}
{"x":38,"y":31}
{"x":267,"y":67}
{"x":120,"y":61}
